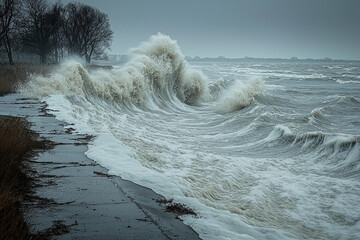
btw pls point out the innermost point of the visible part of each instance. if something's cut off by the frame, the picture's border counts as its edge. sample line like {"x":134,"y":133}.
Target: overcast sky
{"x":238,"y":28}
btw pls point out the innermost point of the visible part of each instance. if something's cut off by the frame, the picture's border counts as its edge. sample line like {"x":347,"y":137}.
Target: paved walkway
{"x":77,"y":198}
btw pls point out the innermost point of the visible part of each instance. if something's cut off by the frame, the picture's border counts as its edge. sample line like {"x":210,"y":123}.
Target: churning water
{"x":264,"y":150}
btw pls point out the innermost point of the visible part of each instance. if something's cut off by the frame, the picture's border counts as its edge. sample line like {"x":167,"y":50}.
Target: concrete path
{"x":76,"y":199}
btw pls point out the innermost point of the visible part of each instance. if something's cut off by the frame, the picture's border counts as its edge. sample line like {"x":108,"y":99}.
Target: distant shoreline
{"x":249,"y":59}
{"x":121,"y":59}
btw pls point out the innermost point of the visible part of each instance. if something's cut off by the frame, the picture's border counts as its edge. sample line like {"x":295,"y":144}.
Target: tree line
{"x":53,"y":31}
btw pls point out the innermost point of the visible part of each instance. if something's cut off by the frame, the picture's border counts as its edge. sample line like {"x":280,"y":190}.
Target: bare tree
{"x":38,"y":27}
{"x":87,"y":31}
{"x":58,"y":38}
{"x":7,"y":12}
{"x":71,"y":29}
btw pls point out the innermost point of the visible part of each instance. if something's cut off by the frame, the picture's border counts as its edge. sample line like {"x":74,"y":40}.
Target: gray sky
{"x":238,"y":28}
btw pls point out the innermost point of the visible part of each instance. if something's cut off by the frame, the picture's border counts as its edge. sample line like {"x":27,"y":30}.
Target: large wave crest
{"x":157,"y":68}
{"x":157,"y":72}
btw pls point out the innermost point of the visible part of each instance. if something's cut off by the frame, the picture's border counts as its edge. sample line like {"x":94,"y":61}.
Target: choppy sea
{"x":259,"y":149}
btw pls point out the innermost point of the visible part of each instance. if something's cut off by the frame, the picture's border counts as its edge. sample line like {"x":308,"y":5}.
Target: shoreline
{"x":76,"y":198}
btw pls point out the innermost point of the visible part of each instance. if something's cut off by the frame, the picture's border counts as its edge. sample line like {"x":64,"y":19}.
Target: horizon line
{"x":294,"y":58}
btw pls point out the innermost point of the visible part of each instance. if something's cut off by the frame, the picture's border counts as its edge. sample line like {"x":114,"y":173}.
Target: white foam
{"x":239,"y":95}
{"x":157,"y":68}
{"x":347,"y":82}
{"x":245,"y":178}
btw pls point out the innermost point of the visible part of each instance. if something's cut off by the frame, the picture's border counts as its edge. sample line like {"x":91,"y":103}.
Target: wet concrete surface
{"x":77,"y":198}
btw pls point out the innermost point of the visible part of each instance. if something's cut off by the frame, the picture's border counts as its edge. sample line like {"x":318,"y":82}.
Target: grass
{"x":12,"y":75}
{"x":17,"y":144}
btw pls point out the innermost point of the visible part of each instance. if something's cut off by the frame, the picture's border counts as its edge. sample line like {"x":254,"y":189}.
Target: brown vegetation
{"x":17,"y":143}
{"x":12,"y":75}
{"x":177,"y":208}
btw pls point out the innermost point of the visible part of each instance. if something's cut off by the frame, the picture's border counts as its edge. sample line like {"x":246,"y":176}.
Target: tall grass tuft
{"x":17,"y":144}
{"x":12,"y":75}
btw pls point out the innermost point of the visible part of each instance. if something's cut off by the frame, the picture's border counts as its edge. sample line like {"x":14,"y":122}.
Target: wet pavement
{"x":76,"y":198}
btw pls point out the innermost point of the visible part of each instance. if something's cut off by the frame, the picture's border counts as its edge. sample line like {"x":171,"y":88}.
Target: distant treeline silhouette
{"x":53,"y":31}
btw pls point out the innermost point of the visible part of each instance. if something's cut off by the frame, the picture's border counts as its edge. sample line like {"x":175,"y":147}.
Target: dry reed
{"x":12,"y":75}
{"x":17,"y":144}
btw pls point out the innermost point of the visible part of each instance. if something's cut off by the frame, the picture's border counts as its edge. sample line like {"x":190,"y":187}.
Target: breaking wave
{"x":157,"y":68}
{"x":340,"y":151}
{"x":156,"y":72}
{"x":239,"y":95}
{"x":286,"y":166}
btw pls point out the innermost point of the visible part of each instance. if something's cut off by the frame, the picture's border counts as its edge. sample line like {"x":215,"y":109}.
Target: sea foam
{"x":239,"y":95}
{"x":157,"y":68}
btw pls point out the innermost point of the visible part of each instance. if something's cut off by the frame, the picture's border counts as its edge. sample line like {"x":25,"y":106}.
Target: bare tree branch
{"x":39,"y":26}
{"x":87,"y":31}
